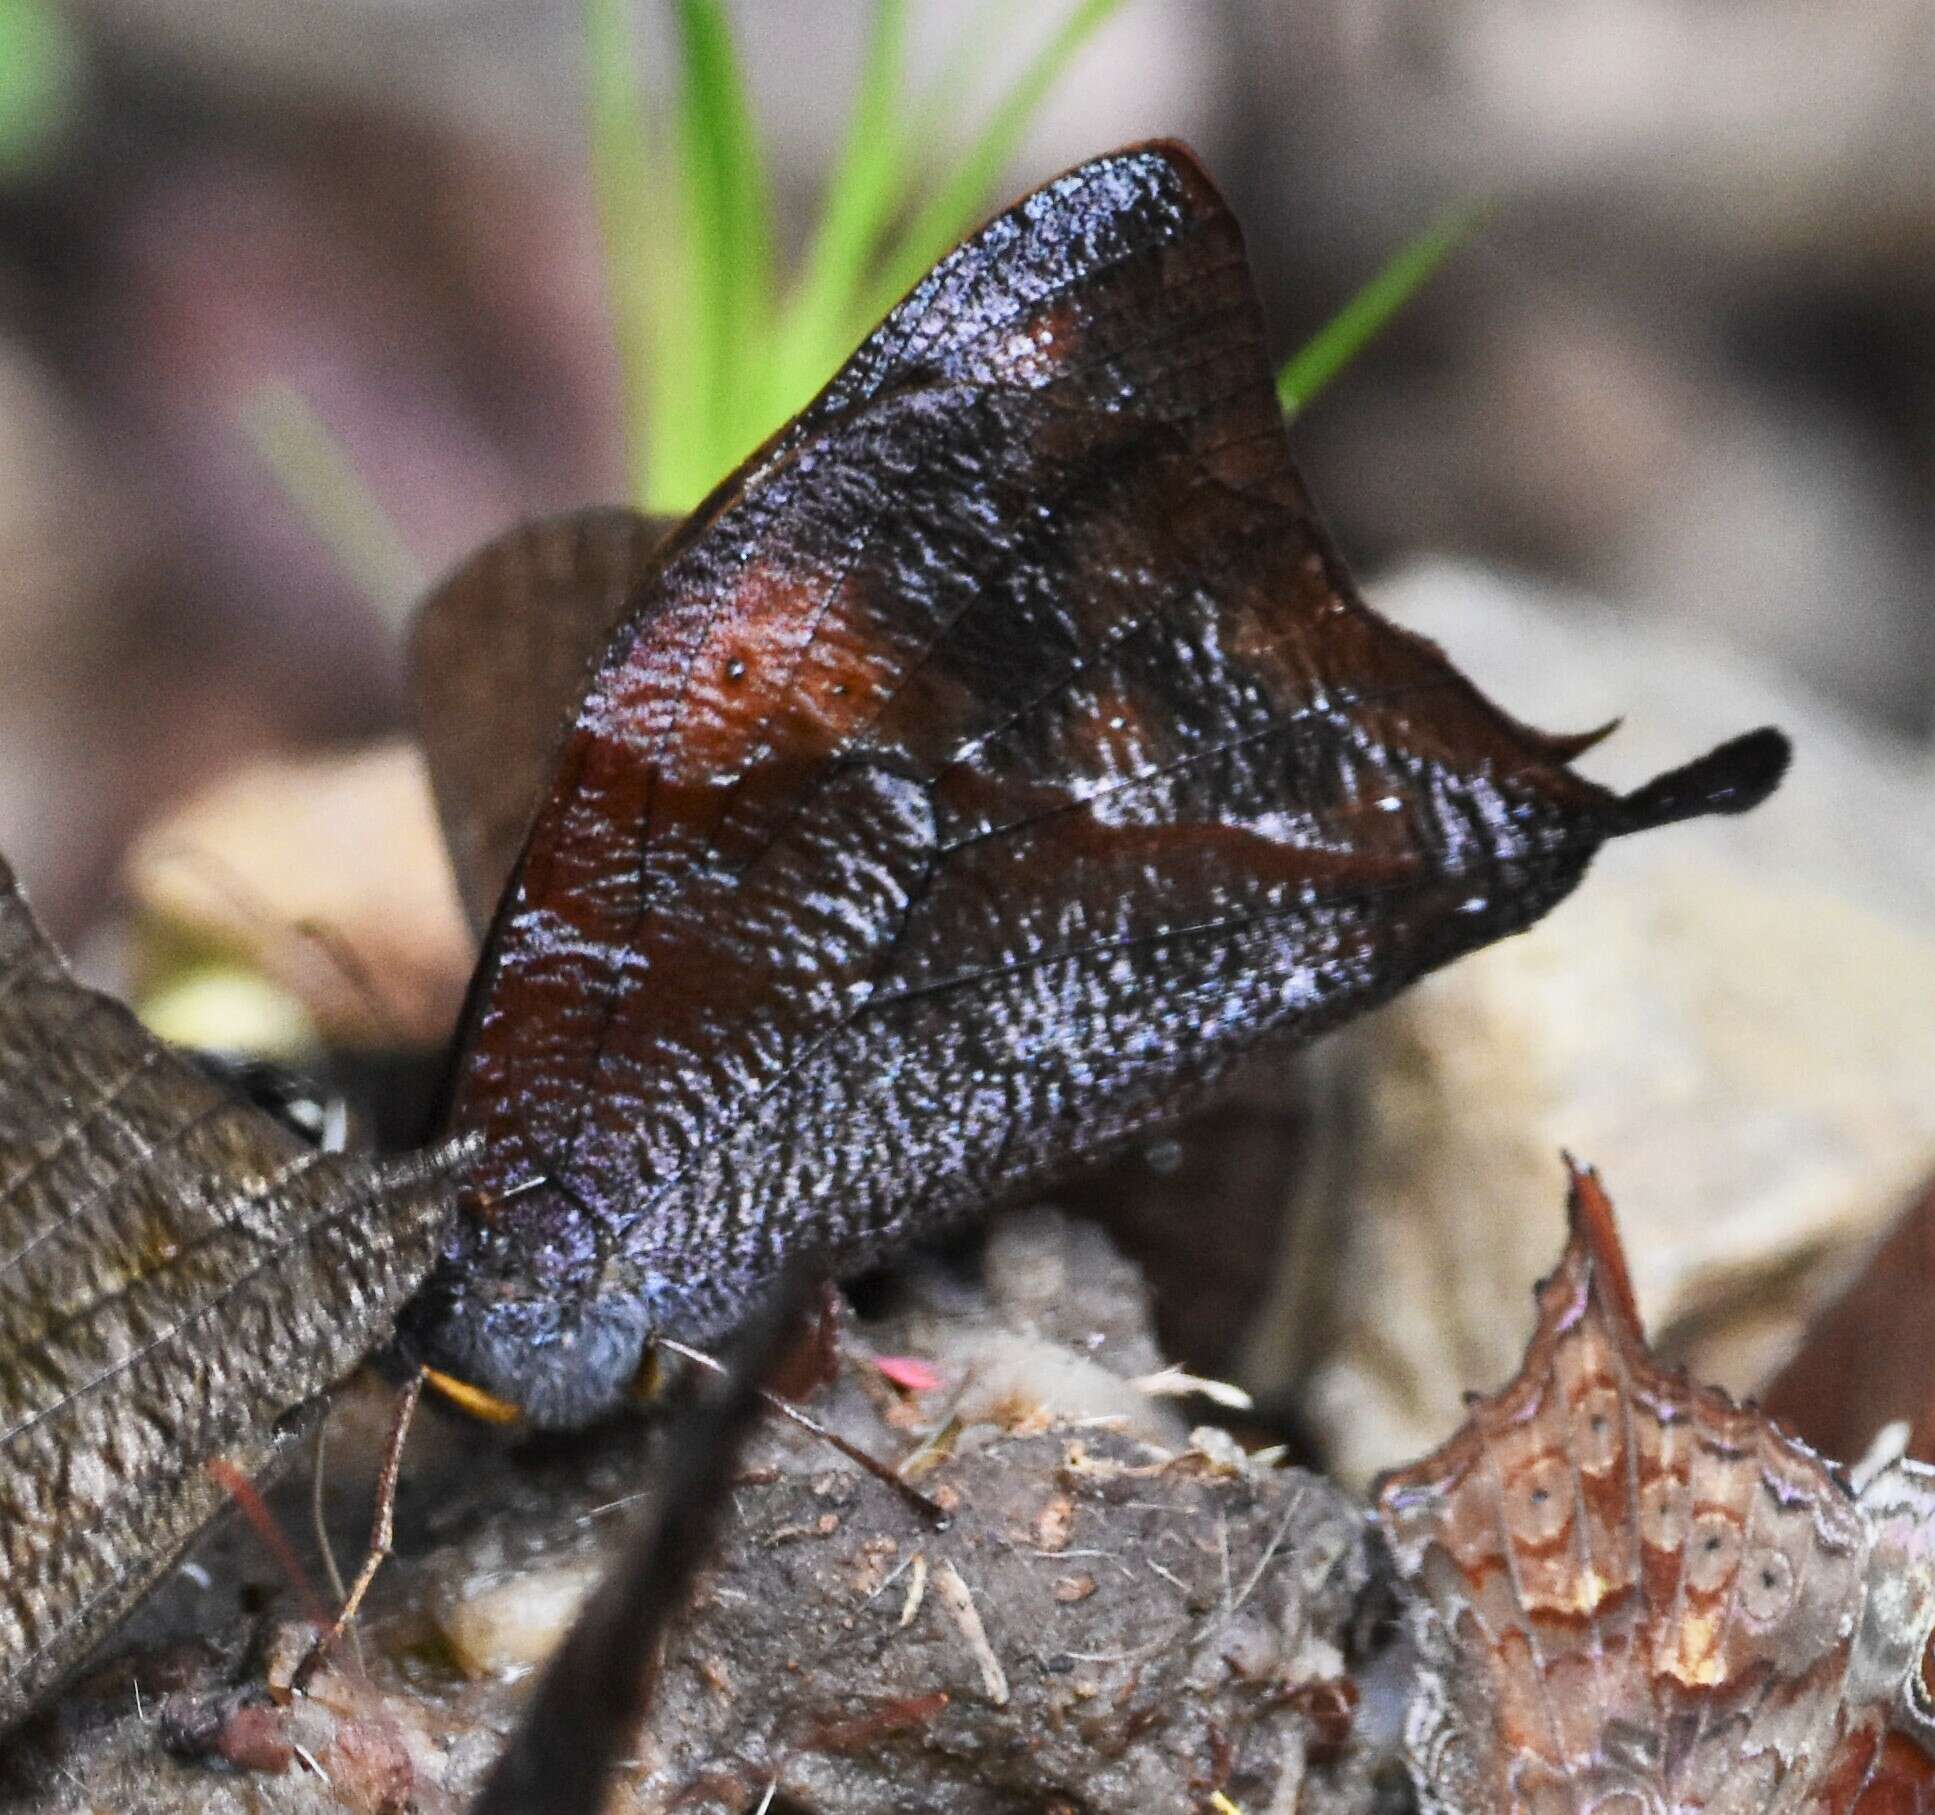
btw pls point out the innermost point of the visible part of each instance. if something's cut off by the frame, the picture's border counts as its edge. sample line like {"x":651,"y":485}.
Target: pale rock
{"x":1734,"y":1020}
{"x":507,"y":1625}
{"x":325,"y":875}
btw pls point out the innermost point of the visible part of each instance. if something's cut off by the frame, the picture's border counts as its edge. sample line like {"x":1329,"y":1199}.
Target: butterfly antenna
{"x":319,"y":1525}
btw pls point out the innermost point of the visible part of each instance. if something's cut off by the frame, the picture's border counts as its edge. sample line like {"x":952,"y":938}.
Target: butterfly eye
{"x":1712,"y":1551}
{"x":1766,"y":1586}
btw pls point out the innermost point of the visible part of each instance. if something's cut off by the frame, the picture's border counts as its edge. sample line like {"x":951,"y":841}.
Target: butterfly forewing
{"x":991,"y":762}
{"x":177,"y":1274}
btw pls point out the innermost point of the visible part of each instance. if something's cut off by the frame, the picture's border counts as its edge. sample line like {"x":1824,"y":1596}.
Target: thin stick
{"x":320,"y":1522}
{"x":248,"y":1498}
{"x":382,"y":1534}
{"x":930,"y":1510}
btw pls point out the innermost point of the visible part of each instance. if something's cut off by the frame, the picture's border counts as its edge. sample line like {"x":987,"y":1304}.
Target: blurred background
{"x":1685,"y":366}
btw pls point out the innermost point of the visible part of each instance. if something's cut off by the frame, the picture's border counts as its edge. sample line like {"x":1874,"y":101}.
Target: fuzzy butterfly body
{"x":982,"y":770}
{"x":1631,"y":1594}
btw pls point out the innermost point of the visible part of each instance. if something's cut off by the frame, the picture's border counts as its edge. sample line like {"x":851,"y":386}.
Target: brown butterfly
{"x":1630,"y":1593}
{"x":180,"y":1280}
{"x":982,"y":770}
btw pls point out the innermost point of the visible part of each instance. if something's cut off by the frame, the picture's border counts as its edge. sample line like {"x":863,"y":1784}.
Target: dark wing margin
{"x":499,"y":654}
{"x":178,"y":1273}
{"x":1032,"y":596}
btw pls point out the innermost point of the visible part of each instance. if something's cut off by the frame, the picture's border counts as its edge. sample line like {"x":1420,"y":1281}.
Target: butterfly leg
{"x":382,"y":1535}
{"x":930,"y":1510}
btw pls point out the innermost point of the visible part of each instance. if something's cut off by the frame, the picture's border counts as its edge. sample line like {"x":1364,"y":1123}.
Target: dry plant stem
{"x":382,"y":1535}
{"x":930,"y":1510}
{"x":320,"y":1524}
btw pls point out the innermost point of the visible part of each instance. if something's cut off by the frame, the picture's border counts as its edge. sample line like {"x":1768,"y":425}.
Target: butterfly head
{"x":545,"y":1344}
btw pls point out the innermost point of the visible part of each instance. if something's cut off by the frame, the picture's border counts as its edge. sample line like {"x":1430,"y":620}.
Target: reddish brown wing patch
{"x":1627,"y":1586}
{"x":1898,"y":1780}
{"x":993,"y":761}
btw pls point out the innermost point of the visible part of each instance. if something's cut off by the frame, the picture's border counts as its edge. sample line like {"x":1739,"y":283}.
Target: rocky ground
{"x":1120,"y":1614}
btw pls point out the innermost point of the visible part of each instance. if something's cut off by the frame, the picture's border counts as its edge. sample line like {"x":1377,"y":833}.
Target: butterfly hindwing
{"x":1626,"y":1589}
{"x":499,"y":653}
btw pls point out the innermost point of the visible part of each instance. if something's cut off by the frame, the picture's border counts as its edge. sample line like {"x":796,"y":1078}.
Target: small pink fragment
{"x":909,"y":1374}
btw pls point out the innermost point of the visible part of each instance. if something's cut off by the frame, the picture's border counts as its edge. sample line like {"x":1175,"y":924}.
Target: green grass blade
{"x":868,"y":180}
{"x":870,"y":173}
{"x":1360,"y":320}
{"x":644,"y":269}
{"x":322,"y":482}
{"x":40,"y":82}
{"x":728,"y":223}
{"x":956,"y":204}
